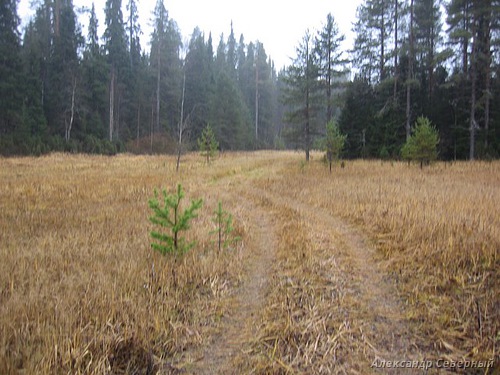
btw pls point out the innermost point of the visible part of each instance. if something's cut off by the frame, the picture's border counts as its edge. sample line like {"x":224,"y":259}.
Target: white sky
{"x":278,"y":24}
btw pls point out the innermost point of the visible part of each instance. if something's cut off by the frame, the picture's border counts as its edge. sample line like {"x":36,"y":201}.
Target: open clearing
{"x":376,"y":261}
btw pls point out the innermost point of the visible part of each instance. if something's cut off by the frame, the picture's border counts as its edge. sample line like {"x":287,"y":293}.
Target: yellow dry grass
{"x":81,"y":290}
{"x":438,"y":235}
{"x":83,"y":293}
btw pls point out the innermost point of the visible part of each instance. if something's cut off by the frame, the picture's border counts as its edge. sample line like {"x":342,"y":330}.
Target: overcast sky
{"x":278,"y":24}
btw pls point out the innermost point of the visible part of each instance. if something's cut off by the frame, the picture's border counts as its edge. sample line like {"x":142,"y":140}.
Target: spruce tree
{"x":165,"y":62}
{"x":199,"y":82}
{"x":34,"y":120}
{"x":229,"y":114}
{"x":331,"y":63}
{"x":334,"y":142}
{"x":95,"y":74}
{"x":10,"y":68}
{"x":422,"y":144}
{"x":133,"y":30}
{"x":207,"y":143}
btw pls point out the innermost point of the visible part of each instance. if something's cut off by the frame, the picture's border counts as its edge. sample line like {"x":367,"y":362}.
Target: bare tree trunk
{"x":396,"y":70}
{"x":410,"y":77}
{"x":138,"y":123}
{"x":487,"y":104}
{"x":72,"y":116}
{"x":473,"y":77}
{"x":151,"y":124}
{"x":465,"y":43}
{"x":382,"y":46}
{"x":431,"y":64}
{"x":118,"y":111}
{"x":329,"y":74}
{"x":158,"y":81}
{"x":57,"y":18}
{"x":307,"y":124}
{"x":111,"y":103}
{"x":487,"y":85}
{"x":257,"y":97}
{"x":307,"y":108}
{"x":181,"y":124}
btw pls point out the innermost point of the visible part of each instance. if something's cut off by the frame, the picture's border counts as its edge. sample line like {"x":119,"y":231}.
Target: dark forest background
{"x":64,"y":91}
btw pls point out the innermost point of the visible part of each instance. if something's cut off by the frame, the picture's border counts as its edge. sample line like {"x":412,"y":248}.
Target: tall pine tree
{"x":165,"y":61}
{"x":301,"y":96}
{"x":331,"y":62}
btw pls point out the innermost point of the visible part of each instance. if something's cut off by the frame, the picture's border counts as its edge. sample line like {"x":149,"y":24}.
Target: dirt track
{"x":373,"y":324}
{"x":248,"y":300}
{"x":334,"y":271}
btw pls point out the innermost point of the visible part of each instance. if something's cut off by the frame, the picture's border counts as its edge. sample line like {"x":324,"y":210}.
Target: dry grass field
{"x":333,"y":271}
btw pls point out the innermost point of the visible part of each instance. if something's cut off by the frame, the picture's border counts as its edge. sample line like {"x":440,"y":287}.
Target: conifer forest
{"x":189,"y":202}
{"x":104,"y":92}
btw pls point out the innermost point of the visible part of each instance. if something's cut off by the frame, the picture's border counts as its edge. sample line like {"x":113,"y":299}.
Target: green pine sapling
{"x":171,"y":217}
{"x":224,"y":227}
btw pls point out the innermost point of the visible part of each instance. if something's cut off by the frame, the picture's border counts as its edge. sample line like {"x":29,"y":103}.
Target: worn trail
{"x":383,"y":329}
{"x":379,"y":329}
{"x":238,"y":328}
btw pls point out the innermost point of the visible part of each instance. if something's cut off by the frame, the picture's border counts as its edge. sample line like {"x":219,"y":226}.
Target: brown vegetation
{"x":377,"y":259}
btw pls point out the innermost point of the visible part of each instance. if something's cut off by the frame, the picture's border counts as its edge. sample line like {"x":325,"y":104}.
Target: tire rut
{"x":385,"y":333}
{"x":238,"y":328}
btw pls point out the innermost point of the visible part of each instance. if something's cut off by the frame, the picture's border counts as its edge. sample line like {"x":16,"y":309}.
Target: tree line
{"x":62,"y":90}
{"x":411,"y":64}
{"x":406,"y":64}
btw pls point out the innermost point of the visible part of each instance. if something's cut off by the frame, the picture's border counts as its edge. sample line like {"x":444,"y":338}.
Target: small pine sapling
{"x":207,"y":143}
{"x":334,"y":142}
{"x":171,"y":217}
{"x":224,"y":228}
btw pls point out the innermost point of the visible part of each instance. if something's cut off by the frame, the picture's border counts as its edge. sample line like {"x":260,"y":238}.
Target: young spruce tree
{"x":335,"y":142}
{"x":422,"y":144}
{"x":207,"y":143}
